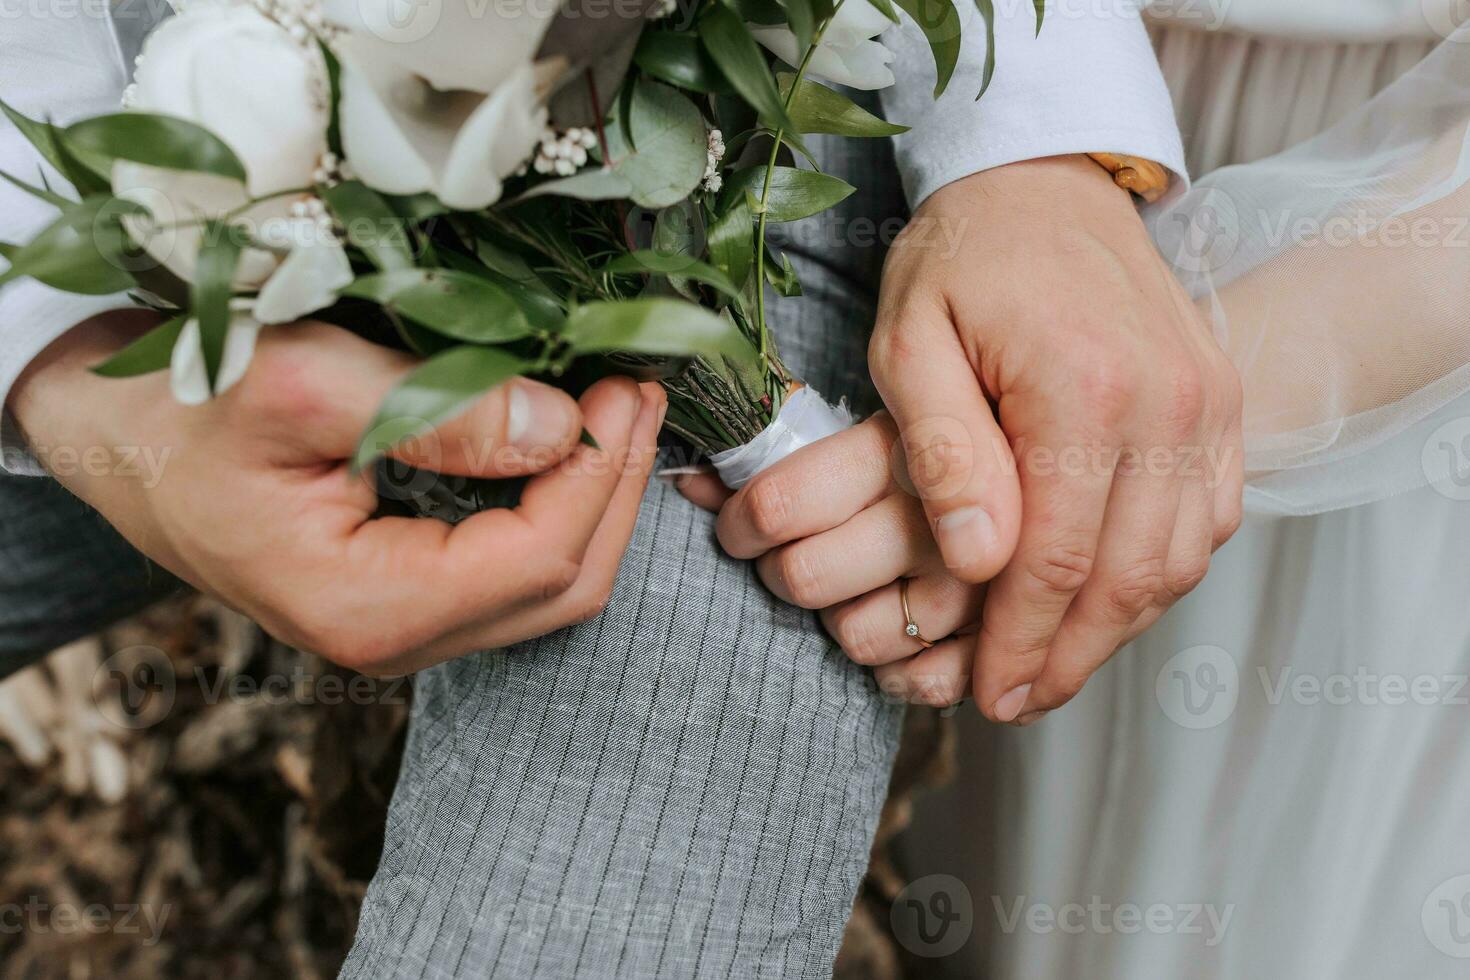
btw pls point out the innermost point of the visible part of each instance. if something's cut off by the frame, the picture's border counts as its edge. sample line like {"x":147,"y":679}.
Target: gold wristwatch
{"x":1136,"y":175}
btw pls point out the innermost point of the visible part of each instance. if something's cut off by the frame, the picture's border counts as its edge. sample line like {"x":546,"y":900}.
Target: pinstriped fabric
{"x":64,"y":572}
{"x":685,"y":787}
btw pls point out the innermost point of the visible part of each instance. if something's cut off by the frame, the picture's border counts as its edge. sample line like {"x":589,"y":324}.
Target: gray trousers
{"x":687,"y":786}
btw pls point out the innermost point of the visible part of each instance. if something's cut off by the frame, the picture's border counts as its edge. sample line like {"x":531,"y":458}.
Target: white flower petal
{"x":471,"y":45}
{"x":386,"y":134}
{"x":493,"y":143}
{"x":862,"y":66}
{"x":306,"y":282}
{"x":188,"y":377}
{"x":856,"y":20}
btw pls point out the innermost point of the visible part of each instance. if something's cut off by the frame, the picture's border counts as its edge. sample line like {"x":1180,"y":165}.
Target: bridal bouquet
{"x":504,"y":187}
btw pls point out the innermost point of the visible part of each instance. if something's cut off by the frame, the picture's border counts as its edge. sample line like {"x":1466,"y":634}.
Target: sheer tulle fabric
{"x":1336,"y":273}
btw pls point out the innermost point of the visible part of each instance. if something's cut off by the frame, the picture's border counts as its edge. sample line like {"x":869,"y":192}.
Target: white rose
{"x":440,"y":96}
{"x":848,"y":55}
{"x":235,"y":72}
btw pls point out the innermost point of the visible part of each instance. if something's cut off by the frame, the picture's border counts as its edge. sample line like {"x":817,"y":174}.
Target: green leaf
{"x":730,"y":44}
{"x":416,"y":207}
{"x":38,"y":134}
{"x":652,"y":326}
{"x":940,"y":22}
{"x":158,"y":141}
{"x":802,"y":20}
{"x":43,"y":193}
{"x":664,"y":264}
{"x":678,"y":58}
{"x":781,"y":275}
{"x":85,"y":250}
{"x":334,"y":95}
{"x":1040,"y":14}
{"x":438,"y":390}
{"x":150,"y":352}
{"x":603,"y":184}
{"x":455,"y":304}
{"x":371,"y":224}
{"x":886,"y":8}
{"x":794,"y":193}
{"x":732,"y":242}
{"x":987,"y":14}
{"x":8,"y":251}
{"x":214,"y":285}
{"x":671,"y":146}
{"x":815,"y":108}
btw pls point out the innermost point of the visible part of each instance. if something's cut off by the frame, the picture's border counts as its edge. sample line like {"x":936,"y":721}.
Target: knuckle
{"x":798,"y":572}
{"x":1109,"y":389}
{"x":1184,"y":575}
{"x":554,"y":578}
{"x":1061,"y":569}
{"x":1136,"y":589}
{"x":1183,"y":400}
{"x":280,"y":385}
{"x":769,"y":506}
{"x":857,"y":637}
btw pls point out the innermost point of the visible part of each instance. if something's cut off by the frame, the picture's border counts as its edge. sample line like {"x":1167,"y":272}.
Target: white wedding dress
{"x":1275,"y":781}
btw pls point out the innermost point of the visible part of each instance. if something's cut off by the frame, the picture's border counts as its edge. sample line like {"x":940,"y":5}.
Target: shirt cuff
{"x":32,"y":316}
{"x":1089,"y":83}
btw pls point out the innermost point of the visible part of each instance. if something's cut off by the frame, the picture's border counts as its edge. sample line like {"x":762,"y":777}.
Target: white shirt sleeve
{"x":60,"y":68}
{"x":1089,"y":83}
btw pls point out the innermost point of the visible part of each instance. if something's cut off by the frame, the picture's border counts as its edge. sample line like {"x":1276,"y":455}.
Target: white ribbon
{"x":804,"y":418}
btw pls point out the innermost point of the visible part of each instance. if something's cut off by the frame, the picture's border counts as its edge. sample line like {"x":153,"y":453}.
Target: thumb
{"x":514,"y":429}
{"x":958,"y":460}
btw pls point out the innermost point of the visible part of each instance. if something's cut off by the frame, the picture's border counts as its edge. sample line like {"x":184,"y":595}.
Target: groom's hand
{"x":1066,"y":414}
{"x":250,"y":496}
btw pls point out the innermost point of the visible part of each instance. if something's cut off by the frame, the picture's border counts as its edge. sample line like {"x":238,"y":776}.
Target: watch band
{"x":1136,"y":175}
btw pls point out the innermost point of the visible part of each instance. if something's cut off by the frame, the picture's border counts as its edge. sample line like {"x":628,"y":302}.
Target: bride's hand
{"x":834,"y":528}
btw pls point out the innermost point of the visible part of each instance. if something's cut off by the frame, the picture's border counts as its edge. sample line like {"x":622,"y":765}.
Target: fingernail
{"x":965,"y":536}
{"x":1030,"y":718}
{"x":538,"y":416}
{"x":1009,"y":706}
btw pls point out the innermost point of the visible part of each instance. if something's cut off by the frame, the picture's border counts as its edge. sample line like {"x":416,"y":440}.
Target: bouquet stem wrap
{"x":804,"y":418}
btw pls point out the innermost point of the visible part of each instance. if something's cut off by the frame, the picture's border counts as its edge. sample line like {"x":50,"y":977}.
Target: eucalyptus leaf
{"x":155,"y":140}
{"x":438,"y":390}
{"x":794,"y":194}
{"x":150,"y":352}
{"x":940,"y":22}
{"x":664,"y":264}
{"x":85,"y":250}
{"x":652,"y":326}
{"x":371,"y":224}
{"x":730,"y":44}
{"x":667,"y":159}
{"x":446,"y":301}
{"x":602,"y":184}
{"x":678,"y":58}
{"x":214,"y":285}
{"x":815,"y":108}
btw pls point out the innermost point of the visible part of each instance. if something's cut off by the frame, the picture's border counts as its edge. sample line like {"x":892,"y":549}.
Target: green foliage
{"x":441,"y":388}
{"x":85,"y":250}
{"x":677,"y":57}
{"x":668,"y":327}
{"x":214,"y":279}
{"x":940,"y":22}
{"x":150,"y":352}
{"x":794,"y":194}
{"x":815,"y":108}
{"x":732,"y":242}
{"x":682,"y":266}
{"x":730,"y":45}
{"x":158,"y":141}
{"x":449,"y":302}
{"x":371,"y":224}
{"x":987,"y":14}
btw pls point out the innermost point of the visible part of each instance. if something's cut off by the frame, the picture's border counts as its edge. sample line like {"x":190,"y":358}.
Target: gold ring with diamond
{"x":911,"y":628}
